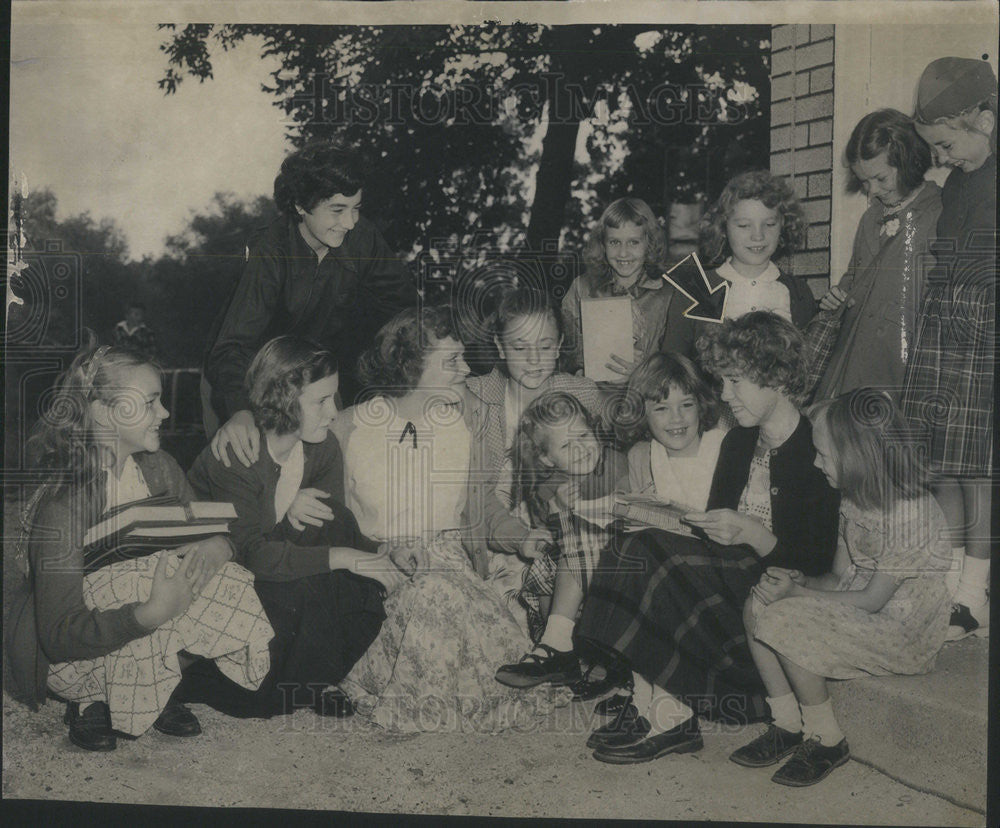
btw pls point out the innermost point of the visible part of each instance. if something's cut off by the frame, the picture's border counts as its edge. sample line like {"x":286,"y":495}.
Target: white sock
{"x":558,"y":633}
{"x":973,"y":583}
{"x":666,"y":712}
{"x":818,"y":720}
{"x":952,"y":576}
{"x":785,"y":712}
{"x":642,"y":693}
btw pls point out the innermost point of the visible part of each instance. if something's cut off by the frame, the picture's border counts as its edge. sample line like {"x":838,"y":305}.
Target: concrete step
{"x":928,"y":731}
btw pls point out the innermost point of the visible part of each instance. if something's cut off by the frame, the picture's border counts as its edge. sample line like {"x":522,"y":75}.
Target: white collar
{"x":731,"y":274}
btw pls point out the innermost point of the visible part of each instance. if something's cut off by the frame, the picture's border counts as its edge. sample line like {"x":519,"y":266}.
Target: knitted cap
{"x":951,"y":85}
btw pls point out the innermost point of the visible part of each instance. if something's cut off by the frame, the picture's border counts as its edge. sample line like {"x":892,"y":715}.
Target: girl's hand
{"x":620,"y":366}
{"x":833,"y":299}
{"x":729,"y":527}
{"x":169,"y":596}
{"x":796,"y":576}
{"x":379,"y":567}
{"x":239,"y":433}
{"x":307,"y":508}
{"x":202,"y":560}
{"x":568,"y":494}
{"x":774,"y":584}
{"x":535,"y":542}
{"x":408,"y":554}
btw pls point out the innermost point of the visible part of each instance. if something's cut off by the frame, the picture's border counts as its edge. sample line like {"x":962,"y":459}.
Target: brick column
{"x":802,"y":135}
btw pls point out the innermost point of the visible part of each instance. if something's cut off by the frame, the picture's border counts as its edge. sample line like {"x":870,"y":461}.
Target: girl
{"x":678,"y":443}
{"x":625,"y":256}
{"x":320,"y":579}
{"x":881,"y":610}
{"x":407,"y":454}
{"x":668,"y":608}
{"x":527,"y":336}
{"x":756,"y":218}
{"x":949,"y":380}
{"x":563,"y":478}
{"x":110,"y":642}
{"x":885,"y":277}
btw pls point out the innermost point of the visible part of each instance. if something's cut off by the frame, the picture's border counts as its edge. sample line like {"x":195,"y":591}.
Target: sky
{"x":89,"y":122}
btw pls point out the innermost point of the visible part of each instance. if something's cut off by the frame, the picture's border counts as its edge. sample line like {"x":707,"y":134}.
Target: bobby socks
{"x":818,"y":720}
{"x":662,"y":710}
{"x":558,"y":633}
{"x":973,"y":583}
{"x":785,"y":712}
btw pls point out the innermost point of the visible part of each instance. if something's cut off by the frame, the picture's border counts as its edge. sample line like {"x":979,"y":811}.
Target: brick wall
{"x":802,"y":134}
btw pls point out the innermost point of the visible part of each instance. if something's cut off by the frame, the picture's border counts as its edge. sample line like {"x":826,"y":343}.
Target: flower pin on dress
{"x":890,"y":226}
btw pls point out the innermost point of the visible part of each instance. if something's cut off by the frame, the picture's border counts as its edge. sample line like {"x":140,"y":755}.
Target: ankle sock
{"x":973,"y":583}
{"x":785,"y":712}
{"x":642,"y":693}
{"x":818,"y":720}
{"x":558,"y":633}
{"x":953,"y":575}
{"x":665,"y":712}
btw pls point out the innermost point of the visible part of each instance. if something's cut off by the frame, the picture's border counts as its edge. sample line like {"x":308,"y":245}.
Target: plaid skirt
{"x":226,"y":622}
{"x":948,"y":386}
{"x":672,"y":607}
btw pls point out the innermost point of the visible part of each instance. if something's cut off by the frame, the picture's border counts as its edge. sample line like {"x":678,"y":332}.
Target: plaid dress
{"x":948,"y":386}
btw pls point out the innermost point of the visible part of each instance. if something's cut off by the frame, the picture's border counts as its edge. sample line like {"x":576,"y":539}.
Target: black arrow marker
{"x":708,"y":302}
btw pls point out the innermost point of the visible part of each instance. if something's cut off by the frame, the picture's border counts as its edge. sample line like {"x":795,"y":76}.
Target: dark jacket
{"x":260,"y":546}
{"x":804,"y":507}
{"x":48,"y":621}
{"x":340,"y":302}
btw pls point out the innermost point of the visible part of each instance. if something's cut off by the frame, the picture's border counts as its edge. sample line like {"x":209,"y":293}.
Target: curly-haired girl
{"x":625,"y":256}
{"x":756,"y":218}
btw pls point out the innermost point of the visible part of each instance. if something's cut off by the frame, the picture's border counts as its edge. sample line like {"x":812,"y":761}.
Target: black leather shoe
{"x":554,"y":667}
{"x":812,"y":762}
{"x":334,"y":702}
{"x":91,"y":729}
{"x":627,"y":728}
{"x":685,"y":738}
{"x":773,"y":745}
{"x":612,"y":706}
{"x":177,"y":720}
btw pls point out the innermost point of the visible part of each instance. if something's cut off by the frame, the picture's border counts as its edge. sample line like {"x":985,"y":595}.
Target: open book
{"x":145,"y":526}
{"x":644,"y":511}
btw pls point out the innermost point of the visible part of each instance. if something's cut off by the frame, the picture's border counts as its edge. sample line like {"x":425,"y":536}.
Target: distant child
{"x":133,"y":332}
{"x":563,"y":478}
{"x":952,"y":361}
{"x":625,"y":256}
{"x":679,"y":442}
{"x":756,"y":218}
{"x":113,"y":642}
{"x":882,"y":610}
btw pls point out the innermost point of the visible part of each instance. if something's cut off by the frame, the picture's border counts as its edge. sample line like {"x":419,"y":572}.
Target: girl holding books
{"x":625,"y":256}
{"x":881,"y":610}
{"x":669,"y":607}
{"x":563,"y":478}
{"x":113,"y":643}
{"x":320,"y":579}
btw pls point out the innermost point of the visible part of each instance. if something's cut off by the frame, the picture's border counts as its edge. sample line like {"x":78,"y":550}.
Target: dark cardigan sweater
{"x":48,"y":620}
{"x":804,"y":507}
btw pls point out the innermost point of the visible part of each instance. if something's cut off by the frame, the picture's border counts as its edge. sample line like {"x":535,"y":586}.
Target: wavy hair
{"x":877,"y":460}
{"x":394,"y":364}
{"x":756,"y":185}
{"x":891,"y":132}
{"x":760,"y":345}
{"x":618,"y":214}
{"x":279,"y":372}
{"x":316,"y":172}
{"x":529,"y":447}
{"x":64,"y":441}
{"x":653,"y":380}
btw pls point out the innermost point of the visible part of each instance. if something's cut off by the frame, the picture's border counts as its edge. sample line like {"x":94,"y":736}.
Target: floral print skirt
{"x":432,"y":666}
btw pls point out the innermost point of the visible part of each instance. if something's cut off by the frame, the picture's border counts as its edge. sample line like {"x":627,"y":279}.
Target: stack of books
{"x":143,"y":527}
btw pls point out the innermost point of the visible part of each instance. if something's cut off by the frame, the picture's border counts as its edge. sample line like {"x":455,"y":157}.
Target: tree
{"x":463,"y":121}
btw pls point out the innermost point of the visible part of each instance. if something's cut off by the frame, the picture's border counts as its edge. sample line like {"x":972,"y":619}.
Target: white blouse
{"x":686,"y":480}
{"x":762,"y":293}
